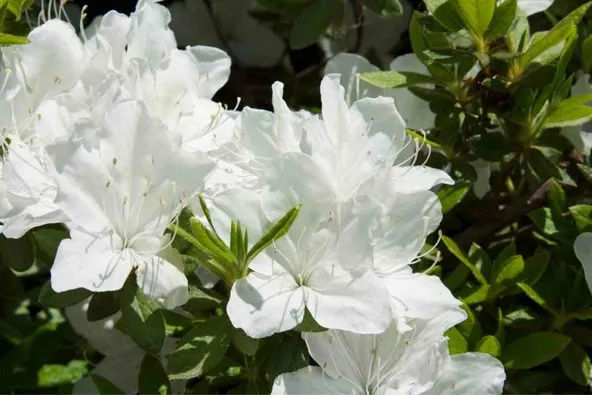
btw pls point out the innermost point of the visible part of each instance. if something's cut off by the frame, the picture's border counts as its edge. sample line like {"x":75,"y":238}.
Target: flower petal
{"x":263,"y":305}
{"x":348,"y":65}
{"x":163,"y":281}
{"x":310,"y":380}
{"x":85,"y":261}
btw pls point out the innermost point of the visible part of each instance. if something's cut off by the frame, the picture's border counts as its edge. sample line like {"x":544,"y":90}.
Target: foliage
{"x":499,"y":85}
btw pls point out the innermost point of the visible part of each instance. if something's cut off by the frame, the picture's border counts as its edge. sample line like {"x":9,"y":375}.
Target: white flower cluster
{"x":115,"y":133}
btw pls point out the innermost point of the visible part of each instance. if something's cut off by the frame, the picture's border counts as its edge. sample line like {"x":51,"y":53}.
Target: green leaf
{"x":202,"y":299}
{"x":309,"y":324}
{"x":18,"y":6}
{"x":519,"y":33}
{"x":489,"y":345}
{"x":470,"y":328}
{"x":551,"y":39}
{"x":311,"y":23}
{"x":455,"y":249}
{"x":49,"y":298}
{"x":423,"y":39}
{"x":153,"y":378}
{"x":570,"y":114}
{"x":557,"y":199}
{"x":457,"y":344}
{"x":385,"y":8}
{"x":558,"y":228}
{"x":201,"y":349}
{"x":534,"y":267}
{"x":510,"y":270}
{"x":576,"y":363}
{"x":534,"y":296}
{"x":582,"y":214}
{"x":245,"y":344}
{"x":10,"y":39}
{"x":104,"y":386}
{"x":278,"y":230}
{"x":446,"y":12}
{"x":54,"y":375}
{"x":476,"y":14}
{"x":288,"y":353}
{"x":492,"y":146}
{"x":477,"y":295}
{"x":142,"y":317}
{"x":587,"y":54}
{"x":213,"y":244}
{"x":394,"y":79}
{"x":480,"y":259}
{"x":457,"y":277}
{"x":19,"y":254}
{"x":103,"y":305}
{"x":451,"y":195}
{"x":534,"y":350}
{"x":503,"y":18}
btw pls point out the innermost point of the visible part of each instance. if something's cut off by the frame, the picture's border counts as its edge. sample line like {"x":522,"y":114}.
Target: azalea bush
{"x":296,"y":197}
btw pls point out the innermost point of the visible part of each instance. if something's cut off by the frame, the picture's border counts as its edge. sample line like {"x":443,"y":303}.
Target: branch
{"x":484,"y":231}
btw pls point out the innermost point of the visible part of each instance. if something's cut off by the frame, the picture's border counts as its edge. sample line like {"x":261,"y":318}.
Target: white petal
{"x":163,"y":281}
{"x":349,"y":65}
{"x":402,"y":235}
{"x":334,"y":108}
{"x":84,"y":261}
{"x":411,"y":179}
{"x":533,"y":6}
{"x":52,"y":62}
{"x":418,"y":295}
{"x":346,"y":301}
{"x":473,"y":373}
{"x":310,"y":380}
{"x":583,"y":250}
{"x":213,"y":66}
{"x":264,"y":305}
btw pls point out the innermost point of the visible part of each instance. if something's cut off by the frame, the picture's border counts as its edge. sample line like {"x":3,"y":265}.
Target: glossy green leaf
{"x":55,"y":375}
{"x":394,"y":79}
{"x":278,"y":230}
{"x":457,"y":252}
{"x":502,"y":20}
{"x":534,"y":350}
{"x":576,"y":363}
{"x":534,"y":296}
{"x":311,"y":23}
{"x":587,"y":54}
{"x":457,"y":344}
{"x":451,"y":195}
{"x":142,"y":317}
{"x":48,"y":297}
{"x":446,"y":12}
{"x":385,"y":8}
{"x":201,"y":349}
{"x":489,"y":345}
{"x":476,"y":14}
{"x":153,"y":378}
{"x":104,"y":386}
{"x":102,"y":305}
{"x":245,"y":344}
{"x":510,"y":270}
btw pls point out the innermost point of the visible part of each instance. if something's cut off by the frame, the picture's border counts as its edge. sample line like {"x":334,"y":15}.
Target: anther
{"x":107,"y":184}
{"x":124,"y":200}
{"x":114,"y":161}
{"x":57,"y":79}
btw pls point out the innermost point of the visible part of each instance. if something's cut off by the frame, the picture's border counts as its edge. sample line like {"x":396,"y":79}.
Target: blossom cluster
{"x":115,"y":132}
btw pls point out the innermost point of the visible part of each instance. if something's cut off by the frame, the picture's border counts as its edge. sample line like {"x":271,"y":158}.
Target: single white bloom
{"x":121,"y":196}
{"x":321,"y":266}
{"x":409,"y":362}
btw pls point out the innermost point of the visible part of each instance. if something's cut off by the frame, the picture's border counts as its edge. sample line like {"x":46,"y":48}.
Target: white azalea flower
{"x":409,"y":362}
{"x":319,"y":266}
{"x":121,"y":196}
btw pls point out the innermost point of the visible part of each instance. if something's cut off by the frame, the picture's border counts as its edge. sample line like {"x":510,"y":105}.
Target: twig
{"x":483,"y":231}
